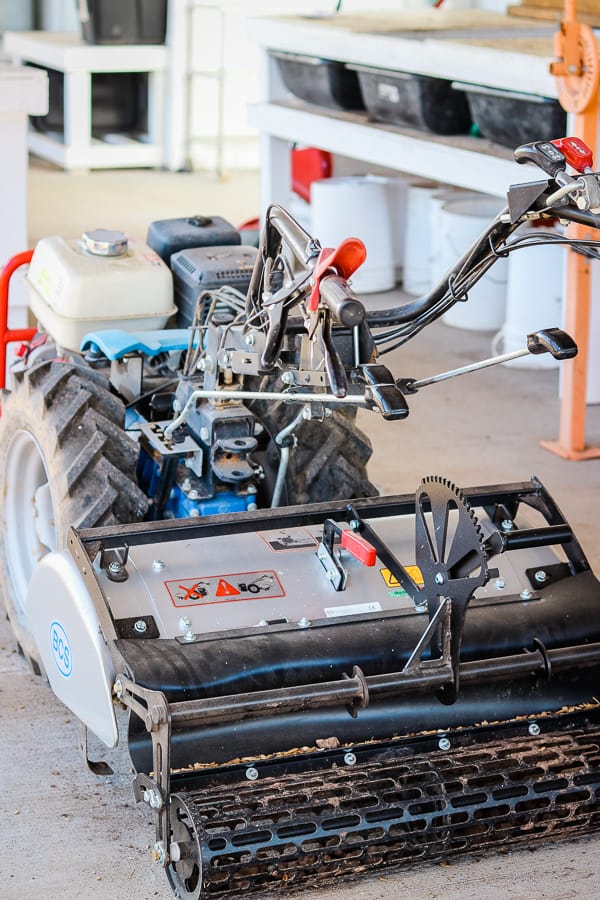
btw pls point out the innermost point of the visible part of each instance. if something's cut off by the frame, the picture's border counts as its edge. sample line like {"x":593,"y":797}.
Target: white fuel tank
{"x":102,"y":280}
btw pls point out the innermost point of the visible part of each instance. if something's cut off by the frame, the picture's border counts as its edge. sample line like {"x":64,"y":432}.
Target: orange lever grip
{"x":359,"y":548}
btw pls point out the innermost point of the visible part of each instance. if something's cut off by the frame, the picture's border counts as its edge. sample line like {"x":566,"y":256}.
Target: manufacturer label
{"x":61,"y":649}
{"x":224,"y":588}
{"x":353,"y":610}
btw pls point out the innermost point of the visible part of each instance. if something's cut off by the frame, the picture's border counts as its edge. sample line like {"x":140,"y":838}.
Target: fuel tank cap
{"x":105,"y":242}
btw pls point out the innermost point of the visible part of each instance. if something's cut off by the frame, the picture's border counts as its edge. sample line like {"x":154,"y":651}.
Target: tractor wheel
{"x":64,"y":460}
{"x":329,"y":460}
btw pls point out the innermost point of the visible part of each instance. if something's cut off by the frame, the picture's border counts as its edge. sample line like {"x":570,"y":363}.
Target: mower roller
{"x":319,"y":682}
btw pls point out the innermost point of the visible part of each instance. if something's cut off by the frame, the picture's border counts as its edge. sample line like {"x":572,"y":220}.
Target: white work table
{"x":463,"y":45}
{"x":77,"y":148}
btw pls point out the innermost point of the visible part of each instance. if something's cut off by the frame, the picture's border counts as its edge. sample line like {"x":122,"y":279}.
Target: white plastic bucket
{"x":396,"y":187}
{"x":357,"y":206}
{"x":534,"y":297}
{"x":437,"y":202}
{"x":461,"y":222}
{"x":418,"y":240}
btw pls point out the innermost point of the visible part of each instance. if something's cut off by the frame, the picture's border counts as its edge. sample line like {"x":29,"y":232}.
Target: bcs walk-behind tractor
{"x":319,"y":681}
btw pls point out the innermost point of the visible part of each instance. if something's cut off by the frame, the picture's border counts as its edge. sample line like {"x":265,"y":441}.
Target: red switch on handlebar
{"x":360,"y":548}
{"x":576,"y":153}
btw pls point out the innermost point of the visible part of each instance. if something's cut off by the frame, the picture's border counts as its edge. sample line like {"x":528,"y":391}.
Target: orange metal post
{"x":577,"y":73}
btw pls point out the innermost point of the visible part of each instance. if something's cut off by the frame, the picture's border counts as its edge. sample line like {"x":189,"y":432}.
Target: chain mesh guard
{"x":306,"y":827}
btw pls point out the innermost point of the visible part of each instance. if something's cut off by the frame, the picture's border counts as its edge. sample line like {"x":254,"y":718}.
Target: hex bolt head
{"x":507,"y":525}
{"x":439,"y":578}
{"x":526,"y":594}
{"x":140,"y":626}
{"x":541,"y":576}
{"x":118,"y":689}
{"x":251,"y":773}
{"x":303,"y":622}
{"x":249,"y":339}
{"x":534,"y":729}
{"x":115,"y":567}
{"x":154,"y":799}
{"x":159,"y":853}
{"x":350,"y":758}
{"x":500,"y":583}
{"x":444,"y":743}
{"x":158,"y":565}
{"x":287,"y":377}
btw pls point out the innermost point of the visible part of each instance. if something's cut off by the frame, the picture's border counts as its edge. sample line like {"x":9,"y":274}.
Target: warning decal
{"x":392,"y":582}
{"x":224,"y":588}
{"x":288,"y":539}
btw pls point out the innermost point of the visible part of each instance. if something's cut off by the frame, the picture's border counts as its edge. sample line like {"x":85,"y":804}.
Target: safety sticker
{"x":224,"y":588}
{"x":392,"y":582}
{"x":288,"y":539}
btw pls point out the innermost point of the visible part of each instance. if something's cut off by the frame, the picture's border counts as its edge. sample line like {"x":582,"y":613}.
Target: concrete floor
{"x":67,"y":833}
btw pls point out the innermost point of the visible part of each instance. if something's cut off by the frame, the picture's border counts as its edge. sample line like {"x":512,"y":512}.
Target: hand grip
{"x":544,"y":154}
{"x":359,"y":547}
{"x":345,"y":307}
{"x":576,"y":153}
{"x":552,"y":340}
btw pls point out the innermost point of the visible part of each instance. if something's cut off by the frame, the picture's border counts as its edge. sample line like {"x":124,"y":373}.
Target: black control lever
{"x":554,"y":341}
{"x":550,"y":340}
{"x":544,"y":155}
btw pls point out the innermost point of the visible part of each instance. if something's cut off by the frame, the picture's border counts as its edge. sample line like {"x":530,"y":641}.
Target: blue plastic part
{"x":116,"y":343}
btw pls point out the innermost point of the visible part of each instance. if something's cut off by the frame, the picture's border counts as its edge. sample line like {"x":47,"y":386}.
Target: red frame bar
{"x":8,"y":335}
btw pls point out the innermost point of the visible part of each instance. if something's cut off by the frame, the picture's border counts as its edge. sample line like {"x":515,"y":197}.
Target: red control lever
{"x":360,"y":548}
{"x":576,"y":153}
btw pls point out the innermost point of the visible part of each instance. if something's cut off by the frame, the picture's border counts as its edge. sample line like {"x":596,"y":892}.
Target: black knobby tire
{"x":64,"y":460}
{"x":329,"y":461}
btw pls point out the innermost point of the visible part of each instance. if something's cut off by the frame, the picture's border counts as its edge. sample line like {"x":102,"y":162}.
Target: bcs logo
{"x":61,"y":649}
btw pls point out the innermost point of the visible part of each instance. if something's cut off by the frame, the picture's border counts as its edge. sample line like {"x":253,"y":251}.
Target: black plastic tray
{"x":512,"y":118}
{"x":419,"y":101}
{"x":323,"y":82}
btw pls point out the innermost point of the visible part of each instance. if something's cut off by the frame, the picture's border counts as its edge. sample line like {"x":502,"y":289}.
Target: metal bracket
{"x":97,"y":767}
{"x":153,"y":709}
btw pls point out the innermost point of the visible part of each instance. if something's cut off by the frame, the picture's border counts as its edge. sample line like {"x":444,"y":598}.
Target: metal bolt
{"x":194,"y":513}
{"x":507,"y":525}
{"x":158,"y":565}
{"x":251,"y":506}
{"x":526,"y":594}
{"x":350,"y":758}
{"x":227,"y":359}
{"x":421,"y":608}
{"x":140,"y":626}
{"x":159,"y":853}
{"x":287,"y":377}
{"x":193,"y":494}
{"x":444,"y":743}
{"x":118,"y":688}
{"x":439,"y":578}
{"x":249,"y":339}
{"x":251,"y":773}
{"x":303,"y":622}
{"x":500,"y":583}
{"x":154,"y":799}
{"x":115,"y":567}
{"x":541,"y":576}
{"x":354,"y":524}
{"x":534,"y":729}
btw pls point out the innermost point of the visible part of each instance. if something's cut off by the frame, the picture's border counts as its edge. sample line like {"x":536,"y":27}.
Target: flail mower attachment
{"x":315,"y":692}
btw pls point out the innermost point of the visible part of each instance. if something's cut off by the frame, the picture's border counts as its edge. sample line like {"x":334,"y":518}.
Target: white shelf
{"x":492,"y":50}
{"x":462,"y":161}
{"x":67,"y":53}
